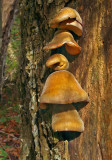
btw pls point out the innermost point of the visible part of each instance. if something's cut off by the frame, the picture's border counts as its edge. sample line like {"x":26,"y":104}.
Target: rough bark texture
{"x":92,"y":68}
{"x":8,"y":15}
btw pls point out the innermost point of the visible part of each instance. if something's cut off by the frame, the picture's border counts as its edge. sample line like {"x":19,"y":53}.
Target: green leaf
{"x":2,"y":158}
{"x":3,"y":153}
{"x":3,"y":119}
{"x":18,"y":119}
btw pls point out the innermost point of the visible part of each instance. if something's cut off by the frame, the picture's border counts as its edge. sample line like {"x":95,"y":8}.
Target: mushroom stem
{"x":66,"y":118}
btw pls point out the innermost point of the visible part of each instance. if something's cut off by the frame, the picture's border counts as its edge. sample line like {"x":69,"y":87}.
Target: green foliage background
{"x":9,"y":90}
{"x":13,"y":51}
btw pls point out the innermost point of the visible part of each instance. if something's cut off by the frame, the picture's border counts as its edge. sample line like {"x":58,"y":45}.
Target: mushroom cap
{"x":64,"y":14}
{"x":64,"y":37}
{"x":61,"y":87}
{"x":57,"y":62}
{"x":66,"y":118}
{"x":68,"y":18}
{"x":72,"y":25}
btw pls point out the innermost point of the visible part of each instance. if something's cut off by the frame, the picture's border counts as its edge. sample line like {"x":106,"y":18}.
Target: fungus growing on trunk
{"x":61,"y":87}
{"x":62,"y":37}
{"x":66,"y":118}
{"x":57,"y":62}
{"x":68,"y":18}
{"x":60,"y":90}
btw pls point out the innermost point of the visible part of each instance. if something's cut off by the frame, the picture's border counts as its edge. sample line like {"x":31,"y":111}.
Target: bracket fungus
{"x":61,"y":87}
{"x":62,"y":37}
{"x":68,"y":18}
{"x":57,"y":62}
{"x":66,"y":118}
{"x":60,"y":90}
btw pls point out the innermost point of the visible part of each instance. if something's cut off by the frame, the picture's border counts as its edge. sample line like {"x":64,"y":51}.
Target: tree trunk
{"x":92,"y":68}
{"x":7,"y":15}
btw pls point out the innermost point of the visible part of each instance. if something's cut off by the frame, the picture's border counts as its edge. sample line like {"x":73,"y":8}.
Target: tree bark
{"x":7,"y":17}
{"x":92,"y":68}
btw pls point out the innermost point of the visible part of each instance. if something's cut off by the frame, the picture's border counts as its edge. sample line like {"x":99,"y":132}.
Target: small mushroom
{"x":64,"y":37}
{"x":68,"y":18}
{"x":66,"y":118}
{"x":61,"y":87}
{"x":57,"y":62}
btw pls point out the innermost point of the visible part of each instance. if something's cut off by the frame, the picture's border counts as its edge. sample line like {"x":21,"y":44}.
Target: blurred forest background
{"x":9,"y":105}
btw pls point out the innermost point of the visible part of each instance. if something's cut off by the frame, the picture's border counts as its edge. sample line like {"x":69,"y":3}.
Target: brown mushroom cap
{"x":72,"y":25}
{"x":66,"y":118}
{"x":68,"y":18}
{"x":57,"y":62}
{"x":61,"y":87}
{"x":61,"y":38}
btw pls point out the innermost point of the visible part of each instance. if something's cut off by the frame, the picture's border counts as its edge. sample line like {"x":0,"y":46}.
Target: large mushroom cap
{"x":61,"y":87}
{"x":61,"y":38}
{"x":68,"y":18}
{"x":66,"y":118}
{"x":57,"y":62}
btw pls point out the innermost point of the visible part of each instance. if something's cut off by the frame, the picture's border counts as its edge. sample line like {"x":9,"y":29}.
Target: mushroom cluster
{"x":61,"y":89}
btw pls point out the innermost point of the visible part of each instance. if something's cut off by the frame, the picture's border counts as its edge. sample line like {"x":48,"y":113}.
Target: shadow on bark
{"x":79,"y":105}
{"x":67,"y":135}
